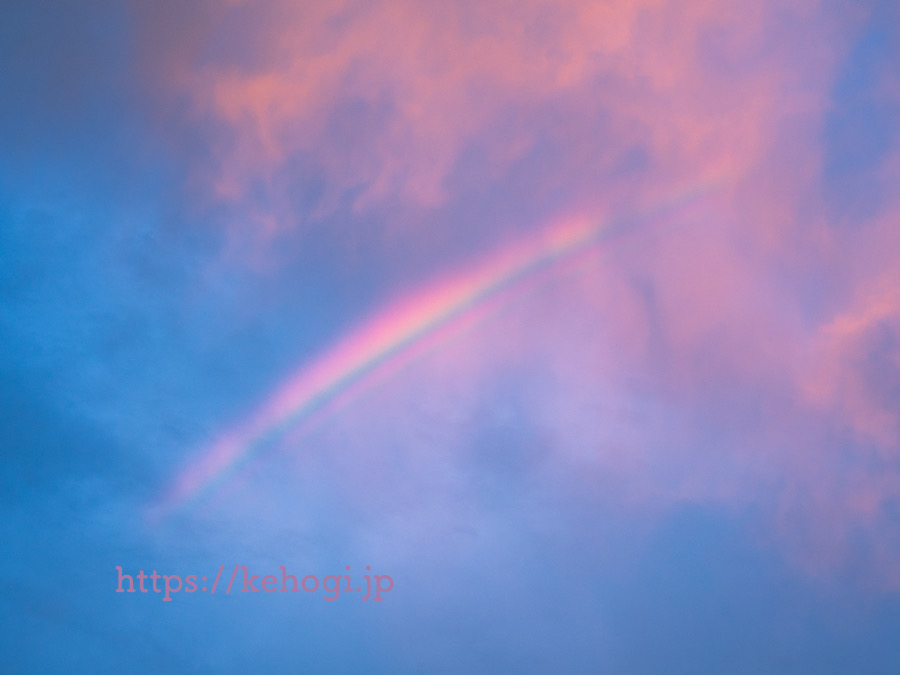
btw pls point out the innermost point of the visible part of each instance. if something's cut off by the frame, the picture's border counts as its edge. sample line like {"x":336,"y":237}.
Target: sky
{"x":579,"y":322}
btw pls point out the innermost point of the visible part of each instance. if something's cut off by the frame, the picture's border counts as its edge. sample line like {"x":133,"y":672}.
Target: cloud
{"x":384,"y":101}
{"x":706,"y":359}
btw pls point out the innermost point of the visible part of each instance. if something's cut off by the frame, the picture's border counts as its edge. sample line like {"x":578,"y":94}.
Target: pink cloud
{"x":385,"y":97}
{"x":686,"y":363}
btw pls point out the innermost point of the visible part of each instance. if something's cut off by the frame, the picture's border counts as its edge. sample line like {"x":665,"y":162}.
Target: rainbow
{"x":392,"y":335}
